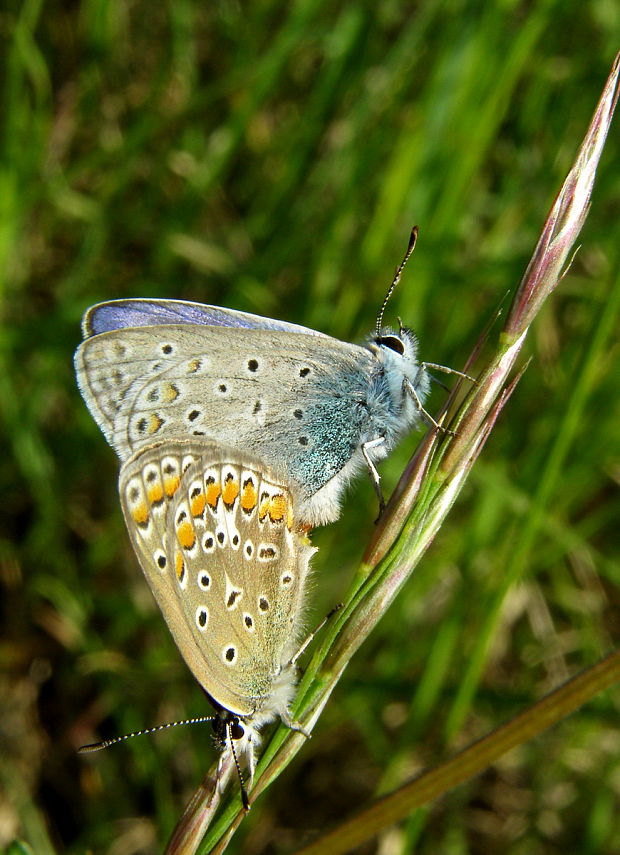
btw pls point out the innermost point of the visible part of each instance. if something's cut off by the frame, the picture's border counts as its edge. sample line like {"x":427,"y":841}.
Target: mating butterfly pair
{"x":236,"y":434}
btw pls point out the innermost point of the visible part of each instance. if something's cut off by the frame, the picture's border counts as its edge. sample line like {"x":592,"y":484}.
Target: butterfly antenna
{"x":244,"y":792}
{"x":98,"y":746}
{"x":412,"y":241}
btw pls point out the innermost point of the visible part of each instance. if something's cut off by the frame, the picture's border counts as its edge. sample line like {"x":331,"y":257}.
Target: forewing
{"x":120,"y":314}
{"x":216,"y":538}
{"x":269,"y":392}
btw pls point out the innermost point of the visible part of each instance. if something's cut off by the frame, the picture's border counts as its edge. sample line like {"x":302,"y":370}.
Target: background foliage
{"x":272,"y":157}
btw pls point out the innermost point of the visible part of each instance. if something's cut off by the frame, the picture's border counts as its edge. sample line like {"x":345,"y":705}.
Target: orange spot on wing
{"x":214,"y":490}
{"x":186,"y":535}
{"x":197,"y":504}
{"x":154,"y":423}
{"x":179,"y":566}
{"x":155,"y":494}
{"x":171,"y":485}
{"x":303,"y":532}
{"x":230,"y":491}
{"x":249,"y":496}
{"x":277,"y":508}
{"x":141,"y":514}
{"x":170,"y":393}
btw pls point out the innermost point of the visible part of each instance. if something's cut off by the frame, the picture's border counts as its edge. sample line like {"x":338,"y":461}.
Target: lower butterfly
{"x":217,"y":539}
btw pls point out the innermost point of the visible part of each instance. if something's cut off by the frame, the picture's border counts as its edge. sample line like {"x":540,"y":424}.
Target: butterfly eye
{"x":236,"y":730}
{"x":391,"y":341}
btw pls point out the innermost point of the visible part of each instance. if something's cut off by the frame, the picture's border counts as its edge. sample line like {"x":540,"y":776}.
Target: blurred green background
{"x":272,"y":157}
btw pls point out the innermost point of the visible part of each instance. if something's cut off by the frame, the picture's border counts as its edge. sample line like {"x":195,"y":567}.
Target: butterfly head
{"x":397,"y":354}
{"x":235,"y":738}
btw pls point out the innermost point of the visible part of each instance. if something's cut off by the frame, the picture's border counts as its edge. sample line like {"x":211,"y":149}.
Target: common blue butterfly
{"x":312,"y":408}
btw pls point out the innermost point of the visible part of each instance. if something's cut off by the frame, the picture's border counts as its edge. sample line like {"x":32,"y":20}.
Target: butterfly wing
{"x":296,"y":402}
{"x":215,"y":536}
{"x":120,"y":314}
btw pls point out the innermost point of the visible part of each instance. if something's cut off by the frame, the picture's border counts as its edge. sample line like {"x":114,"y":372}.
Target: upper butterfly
{"x":311,"y":407}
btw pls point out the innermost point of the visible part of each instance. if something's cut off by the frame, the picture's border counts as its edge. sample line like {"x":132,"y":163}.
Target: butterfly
{"x":314,"y":409}
{"x":217,"y":538}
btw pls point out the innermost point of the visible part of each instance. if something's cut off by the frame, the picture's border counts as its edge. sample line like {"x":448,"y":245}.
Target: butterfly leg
{"x":294,"y":725}
{"x":410,"y":390}
{"x":288,"y":721}
{"x":424,"y":366}
{"x":374,"y":474}
{"x":446,"y":370}
{"x":317,"y":629}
